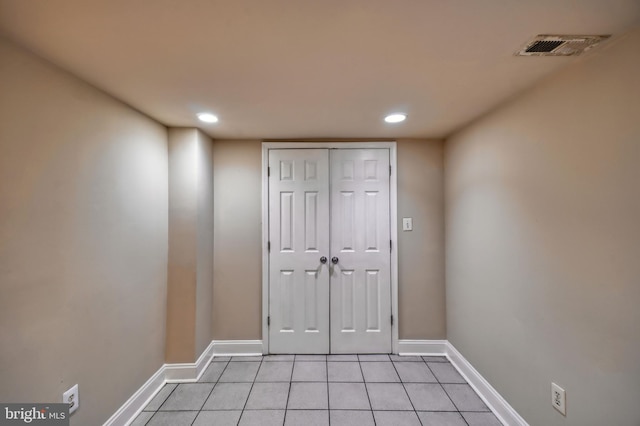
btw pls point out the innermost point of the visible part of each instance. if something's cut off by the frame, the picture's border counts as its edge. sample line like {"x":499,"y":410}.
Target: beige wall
{"x":204,"y":269}
{"x":421,"y":285}
{"x":183,"y":249}
{"x":543,"y":241}
{"x":190,"y":268}
{"x":238,"y":239}
{"x":83,"y":240}
{"x":237,"y":261}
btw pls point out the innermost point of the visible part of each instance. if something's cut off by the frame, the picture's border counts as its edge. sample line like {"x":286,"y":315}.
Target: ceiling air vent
{"x":560,"y":45}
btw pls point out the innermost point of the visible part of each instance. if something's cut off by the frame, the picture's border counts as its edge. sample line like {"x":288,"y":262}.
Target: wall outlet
{"x":558,"y":399}
{"x":407,"y":224}
{"x":72,"y":397}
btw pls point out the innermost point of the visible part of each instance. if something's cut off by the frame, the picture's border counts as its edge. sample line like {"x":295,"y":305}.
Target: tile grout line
{"x":160,"y":406}
{"x":286,"y":406}
{"x":364,"y":383}
{"x":326,"y":360}
{"x":405,"y":391}
{"x":250,"y":389}
{"x":454,"y":404}
{"x":445,"y":392}
{"x":212,"y":388}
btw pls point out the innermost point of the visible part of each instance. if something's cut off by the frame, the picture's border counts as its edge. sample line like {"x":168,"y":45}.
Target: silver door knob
{"x":323,"y":259}
{"x":335,"y":260}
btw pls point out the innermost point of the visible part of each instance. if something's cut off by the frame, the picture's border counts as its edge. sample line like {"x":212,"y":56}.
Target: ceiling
{"x":308,"y":68}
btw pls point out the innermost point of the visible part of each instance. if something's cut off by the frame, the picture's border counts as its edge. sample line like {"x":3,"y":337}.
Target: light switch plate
{"x":407,"y":224}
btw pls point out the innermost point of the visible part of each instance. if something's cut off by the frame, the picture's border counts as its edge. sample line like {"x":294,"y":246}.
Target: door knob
{"x":323,"y":259}
{"x":334,"y":260}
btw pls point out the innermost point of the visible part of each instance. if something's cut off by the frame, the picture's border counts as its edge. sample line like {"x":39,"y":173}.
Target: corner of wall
{"x":190,"y":285}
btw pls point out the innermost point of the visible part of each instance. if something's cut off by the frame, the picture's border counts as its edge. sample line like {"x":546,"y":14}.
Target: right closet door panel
{"x":360,"y":250}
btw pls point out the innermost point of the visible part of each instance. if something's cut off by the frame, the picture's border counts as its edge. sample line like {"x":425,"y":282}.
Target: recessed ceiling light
{"x":395,"y":118}
{"x":207,"y":117}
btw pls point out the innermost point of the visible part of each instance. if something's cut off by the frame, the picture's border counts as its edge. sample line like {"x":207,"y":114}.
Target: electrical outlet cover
{"x":558,"y":399}
{"x":72,"y":397}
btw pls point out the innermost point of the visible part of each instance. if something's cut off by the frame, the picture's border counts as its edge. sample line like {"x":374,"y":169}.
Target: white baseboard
{"x":491,"y":397}
{"x":191,"y":372}
{"x":134,"y":405}
{"x":168,"y":373}
{"x":180,"y":372}
{"x":237,"y":347}
{"x":498,"y":405}
{"x":422,"y":347}
{"x":203,"y":362}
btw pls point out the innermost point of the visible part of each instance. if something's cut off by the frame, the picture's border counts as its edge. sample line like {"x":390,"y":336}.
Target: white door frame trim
{"x":393,"y":218}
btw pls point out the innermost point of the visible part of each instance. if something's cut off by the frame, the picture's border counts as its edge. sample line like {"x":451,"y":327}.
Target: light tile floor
{"x":321,"y":390}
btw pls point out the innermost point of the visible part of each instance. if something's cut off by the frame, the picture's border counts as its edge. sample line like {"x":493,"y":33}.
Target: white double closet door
{"x":329,"y":257}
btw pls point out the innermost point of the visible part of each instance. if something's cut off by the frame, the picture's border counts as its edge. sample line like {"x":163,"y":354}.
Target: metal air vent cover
{"x":560,"y":45}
